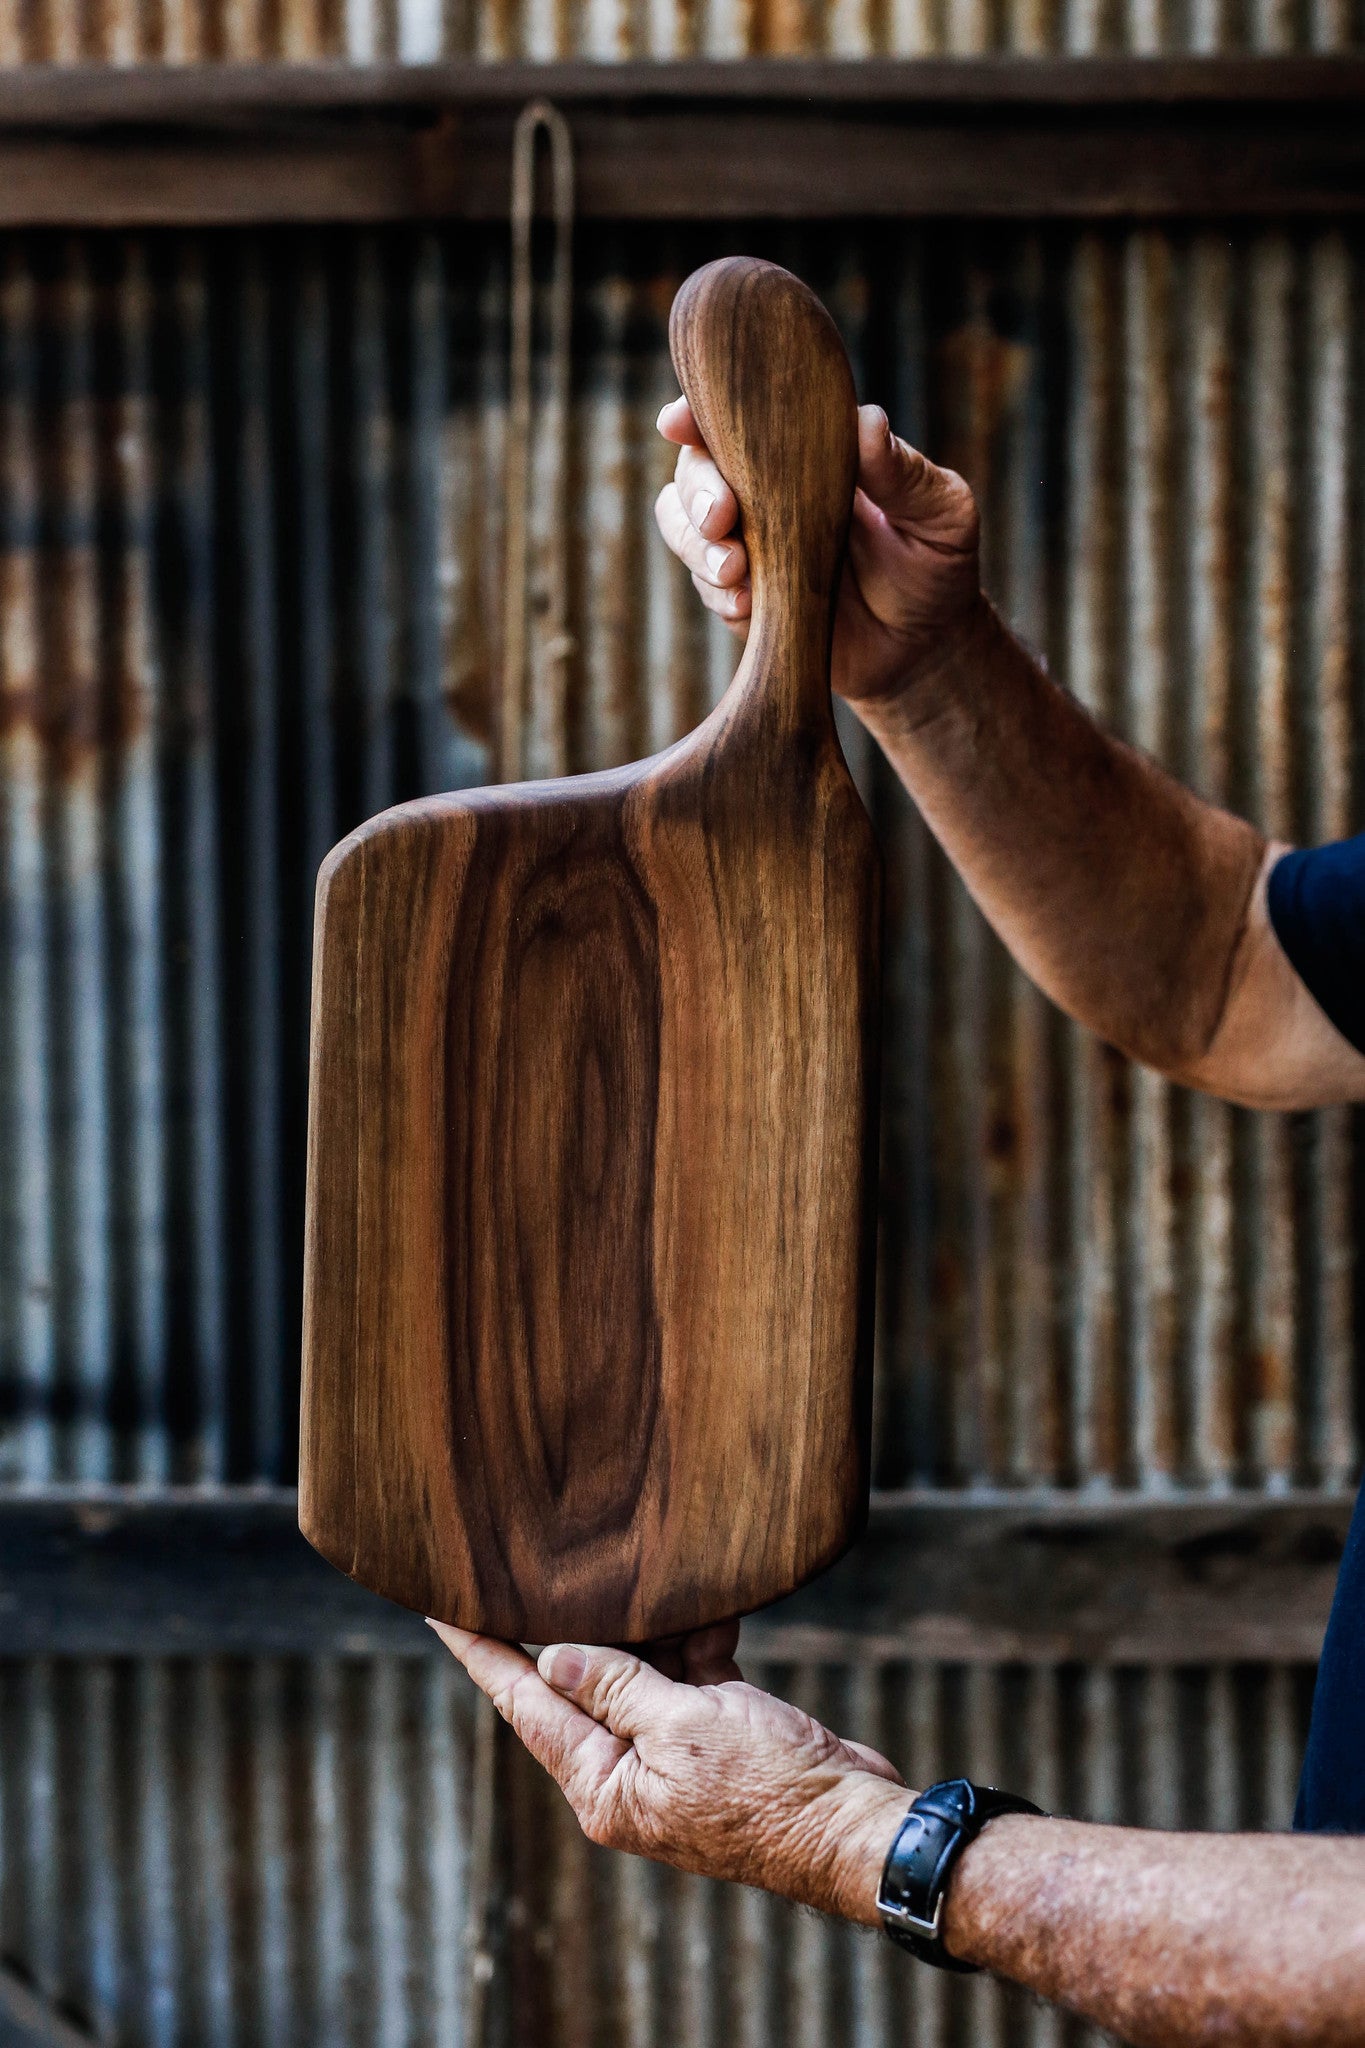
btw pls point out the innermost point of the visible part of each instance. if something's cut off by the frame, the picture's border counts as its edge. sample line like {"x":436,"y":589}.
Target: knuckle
{"x":960,"y":494}
{"x":616,"y":1683}
{"x":504,"y":1698}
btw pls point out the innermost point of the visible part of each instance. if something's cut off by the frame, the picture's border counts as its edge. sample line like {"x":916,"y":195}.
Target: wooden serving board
{"x":592,"y":1128}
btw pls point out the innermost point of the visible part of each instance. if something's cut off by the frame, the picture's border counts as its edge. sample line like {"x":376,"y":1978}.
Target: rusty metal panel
{"x":273,"y":1852}
{"x":250,"y":591}
{"x":250,"y":588}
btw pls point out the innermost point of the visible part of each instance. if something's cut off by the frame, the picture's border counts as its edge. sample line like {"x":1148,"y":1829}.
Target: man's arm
{"x":1135,"y":905}
{"x":1177,"y":1941}
{"x":1171,"y":1939}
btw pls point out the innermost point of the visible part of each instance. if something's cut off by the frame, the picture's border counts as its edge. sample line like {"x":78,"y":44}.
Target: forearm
{"x":1122,"y":894}
{"x":1167,"y":1940}
{"x":1171,"y":1939}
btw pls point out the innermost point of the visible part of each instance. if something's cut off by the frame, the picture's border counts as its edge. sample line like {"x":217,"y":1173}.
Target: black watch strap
{"x":940,"y":1824}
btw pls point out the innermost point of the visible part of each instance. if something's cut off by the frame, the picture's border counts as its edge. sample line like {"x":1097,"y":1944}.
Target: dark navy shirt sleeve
{"x":1316,"y":899}
{"x":1332,"y":1788}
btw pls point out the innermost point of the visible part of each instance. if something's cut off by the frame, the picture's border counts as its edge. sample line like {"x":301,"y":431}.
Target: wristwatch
{"x":940,"y":1824}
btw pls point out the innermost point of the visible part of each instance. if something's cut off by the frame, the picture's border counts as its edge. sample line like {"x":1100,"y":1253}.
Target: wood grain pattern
{"x":592,"y":1137}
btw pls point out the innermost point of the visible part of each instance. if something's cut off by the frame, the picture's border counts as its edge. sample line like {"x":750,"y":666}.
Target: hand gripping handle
{"x":765,"y":373}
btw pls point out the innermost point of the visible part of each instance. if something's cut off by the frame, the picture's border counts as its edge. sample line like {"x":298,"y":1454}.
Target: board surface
{"x":592,"y":1126}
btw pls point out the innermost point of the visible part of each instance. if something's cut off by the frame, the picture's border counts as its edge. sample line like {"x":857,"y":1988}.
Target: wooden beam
{"x":758,"y":138}
{"x":1117,"y":1580}
{"x":57,"y":97}
{"x":985,"y":1578}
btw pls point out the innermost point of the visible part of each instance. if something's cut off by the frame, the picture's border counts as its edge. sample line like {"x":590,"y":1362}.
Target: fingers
{"x":722,"y":563}
{"x":708,"y":1654}
{"x":708,"y":500}
{"x":675,"y":423}
{"x":734,"y":606}
{"x":616,"y":1688}
{"x":719,"y":569}
{"x":908,"y":488}
{"x":572,"y":1745}
{"x":698,"y":515}
{"x":665,"y":1654}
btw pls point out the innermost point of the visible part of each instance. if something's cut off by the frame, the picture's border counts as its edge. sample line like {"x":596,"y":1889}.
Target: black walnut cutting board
{"x":592,"y":1124}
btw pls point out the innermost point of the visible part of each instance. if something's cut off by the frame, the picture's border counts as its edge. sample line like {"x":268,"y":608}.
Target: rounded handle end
{"x":765,"y":373}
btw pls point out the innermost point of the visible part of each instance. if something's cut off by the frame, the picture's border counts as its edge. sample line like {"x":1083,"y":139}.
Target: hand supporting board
{"x":592,"y":1125}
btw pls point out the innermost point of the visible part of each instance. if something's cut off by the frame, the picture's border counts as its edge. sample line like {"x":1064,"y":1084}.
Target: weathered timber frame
{"x":976,"y":1578}
{"x":797,"y":138}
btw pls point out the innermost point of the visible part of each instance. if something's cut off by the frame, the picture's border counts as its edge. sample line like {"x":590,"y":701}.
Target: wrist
{"x":949,"y":663}
{"x":871,"y":1810}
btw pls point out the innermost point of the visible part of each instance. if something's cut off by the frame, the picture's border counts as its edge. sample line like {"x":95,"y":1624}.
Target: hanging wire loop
{"x":553,"y":645}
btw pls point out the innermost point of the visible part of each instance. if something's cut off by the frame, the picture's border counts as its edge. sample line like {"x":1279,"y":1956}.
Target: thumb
{"x":621,"y":1691}
{"x":906,"y":486}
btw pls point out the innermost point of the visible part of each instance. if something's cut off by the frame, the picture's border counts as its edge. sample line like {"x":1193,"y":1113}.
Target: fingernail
{"x":659,"y":416}
{"x":563,"y":1665}
{"x":716,"y":558}
{"x":701,"y":508}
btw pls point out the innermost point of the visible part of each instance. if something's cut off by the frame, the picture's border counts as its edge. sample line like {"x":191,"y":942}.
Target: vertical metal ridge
{"x":27,"y":1244}
{"x":140,"y":1105}
{"x":97,"y":1961}
{"x":370,"y":594}
{"x":1267,"y":796}
{"x":608,"y":433}
{"x":1147,"y":1252}
{"x":1204,"y":755}
{"x":423,"y":602}
{"x":69,"y":654}
{"x":906,"y":1391}
{"x":196,"y":1393}
{"x":268,"y":1850}
{"x":258,"y":1090}
{"x":1094,"y":1077}
{"x":1324,"y":661}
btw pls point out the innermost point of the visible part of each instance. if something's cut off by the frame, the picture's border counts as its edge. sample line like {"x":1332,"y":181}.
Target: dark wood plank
{"x":836,"y":163}
{"x":211,"y":180}
{"x":980,"y":1577}
{"x":1071,"y":1580}
{"x":705,"y":165}
{"x":83,"y":95}
{"x":991,"y":138}
{"x":180,"y":1573}
{"x":592,"y":1133}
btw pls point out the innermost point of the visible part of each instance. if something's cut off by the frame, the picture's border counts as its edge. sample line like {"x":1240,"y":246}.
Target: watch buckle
{"x":911,"y":1923}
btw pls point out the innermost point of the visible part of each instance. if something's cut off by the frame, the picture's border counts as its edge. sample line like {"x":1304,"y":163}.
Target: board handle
{"x":765,"y":373}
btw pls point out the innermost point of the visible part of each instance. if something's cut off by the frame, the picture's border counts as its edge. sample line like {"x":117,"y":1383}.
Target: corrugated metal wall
{"x":250,"y":503}
{"x":194,"y":31}
{"x":250,"y":558}
{"x":208,"y":1854}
